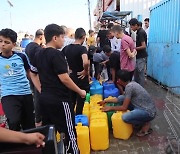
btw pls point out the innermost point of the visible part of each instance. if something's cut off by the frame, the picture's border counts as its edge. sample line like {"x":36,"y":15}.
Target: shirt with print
{"x":140,"y":98}
{"x":141,"y":36}
{"x":50,"y":63}
{"x":100,"y":57}
{"x":127,"y":63}
{"x":13,"y":77}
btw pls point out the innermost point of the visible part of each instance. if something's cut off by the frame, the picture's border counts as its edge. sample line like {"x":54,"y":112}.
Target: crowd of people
{"x":57,"y":68}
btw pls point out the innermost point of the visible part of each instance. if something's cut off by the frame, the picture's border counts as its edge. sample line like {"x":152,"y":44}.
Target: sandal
{"x":142,"y":133}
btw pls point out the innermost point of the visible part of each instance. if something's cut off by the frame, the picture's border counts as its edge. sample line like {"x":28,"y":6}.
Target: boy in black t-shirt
{"x":77,"y":59}
{"x":55,"y":81}
{"x":114,"y":61}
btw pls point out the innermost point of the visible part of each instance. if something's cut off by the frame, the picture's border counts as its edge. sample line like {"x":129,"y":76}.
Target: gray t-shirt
{"x":140,"y":98}
{"x":100,"y":57}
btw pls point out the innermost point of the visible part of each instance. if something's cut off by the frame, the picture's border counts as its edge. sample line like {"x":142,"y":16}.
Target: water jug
{"x":121,"y":129}
{"x":111,"y":92}
{"x":83,"y":138}
{"x":81,"y":119}
{"x":99,"y":134}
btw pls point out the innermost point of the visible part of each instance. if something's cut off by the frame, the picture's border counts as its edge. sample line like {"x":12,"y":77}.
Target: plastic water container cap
{"x":87,"y":97}
{"x":79,"y":124}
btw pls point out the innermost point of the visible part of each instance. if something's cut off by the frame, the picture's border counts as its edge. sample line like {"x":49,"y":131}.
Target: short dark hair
{"x":146,"y":19}
{"x":117,"y":28}
{"x":103,"y":26}
{"x":133,"y":22}
{"x":79,"y":33}
{"x":9,"y":33}
{"x":39,"y":32}
{"x":124,"y":75}
{"x":52,"y":30}
{"x":98,"y":49}
{"x":92,"y":48}
{"x":106,"y":49}
{"x":110,"y":25}
{"x":90,"y":31}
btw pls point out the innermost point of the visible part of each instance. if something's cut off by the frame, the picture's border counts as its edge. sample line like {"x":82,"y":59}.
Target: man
{"x":128,"y":52}
{"x":146,"y":27}
{"x":137,"y":100}
{"x":31,"y":49}
{"x":77,"y":58}
{"x":141,"y":41}
{"x":102,"y":37}
{"x":115,"y":43}
{"x":55,"y":83}
{"x":16,"y":95}
{"x":114,"y":61}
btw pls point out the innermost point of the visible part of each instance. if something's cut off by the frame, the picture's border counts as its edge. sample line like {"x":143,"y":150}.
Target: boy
{"x":30,"y":51}
{"x":54,"y":97}
{"x":128,"y":52}
{"x":77,"y":59}
{"x":141,"y":41}
{"x":114,"y":61}
{"x":16,"y":95}
{"x":137,"y":100}
{"x":91,"y":39}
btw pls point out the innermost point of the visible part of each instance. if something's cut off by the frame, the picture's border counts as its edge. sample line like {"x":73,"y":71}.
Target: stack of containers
{"x":99,"y":132}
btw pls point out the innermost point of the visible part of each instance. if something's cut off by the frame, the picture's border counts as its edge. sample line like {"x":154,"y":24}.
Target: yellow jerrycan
{"x":99,"y":134}
{"x":121,"y":130}
{"x":86,"y":110}
{"x":98,"y":115}
{"x":83,"y":138}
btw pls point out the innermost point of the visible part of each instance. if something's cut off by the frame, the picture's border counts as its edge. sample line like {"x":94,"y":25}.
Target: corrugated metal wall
{"x":139,"y":7}
{"x":164,"y":43}
{"x":166,"y":21}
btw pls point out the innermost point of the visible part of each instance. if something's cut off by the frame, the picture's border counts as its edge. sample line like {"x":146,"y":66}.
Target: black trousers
{"x":38,"y":117}
{"x":76,"y":98}
{"x":60,"y":113}
{"x":19,"y":111}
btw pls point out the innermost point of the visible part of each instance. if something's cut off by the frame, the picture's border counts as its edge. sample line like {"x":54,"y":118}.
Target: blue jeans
{"x":136,"y":116}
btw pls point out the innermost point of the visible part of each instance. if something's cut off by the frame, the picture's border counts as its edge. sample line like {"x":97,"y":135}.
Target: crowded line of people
{"x":60,"y":71}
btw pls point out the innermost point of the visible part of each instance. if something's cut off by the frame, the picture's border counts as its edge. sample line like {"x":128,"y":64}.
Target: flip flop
{"x":142,"y":133}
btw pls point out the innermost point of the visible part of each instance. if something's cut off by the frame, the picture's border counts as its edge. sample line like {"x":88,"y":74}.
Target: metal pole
{"x":10,"y":18}
{"x":89,"y":12}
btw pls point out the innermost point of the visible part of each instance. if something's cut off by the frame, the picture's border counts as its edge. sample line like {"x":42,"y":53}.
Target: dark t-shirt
{"x":73,"y":54}
{"x":141,"y":36}
{"x":31,"y":49}
{"x":103,"y":38}
{"x":114,"y":60}
{"x":50,"y":63}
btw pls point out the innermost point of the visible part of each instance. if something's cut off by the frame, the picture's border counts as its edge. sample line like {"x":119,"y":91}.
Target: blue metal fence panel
{"x":164,"y":43}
